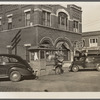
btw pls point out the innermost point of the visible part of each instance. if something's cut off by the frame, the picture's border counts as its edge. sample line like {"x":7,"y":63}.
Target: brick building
{"x":52,"y":25}
{"x":91,"y":42}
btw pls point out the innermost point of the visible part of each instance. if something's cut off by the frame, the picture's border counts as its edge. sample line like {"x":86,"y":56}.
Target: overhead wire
{"x":92,"y":22}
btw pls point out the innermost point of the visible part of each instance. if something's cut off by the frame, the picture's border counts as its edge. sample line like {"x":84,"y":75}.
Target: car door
{"x":89,"y":62}
{"x":3,"y":66}
{"x":81,"y":61}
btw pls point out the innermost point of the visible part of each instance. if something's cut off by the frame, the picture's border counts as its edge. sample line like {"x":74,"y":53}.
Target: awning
{"x":36,"y":48}
{"x":66,"y":45}
{"x":45,"y":46}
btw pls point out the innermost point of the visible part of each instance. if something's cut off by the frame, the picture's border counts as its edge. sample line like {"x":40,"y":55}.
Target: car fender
{"x":21,"y":70}
{"x":79,"y":66}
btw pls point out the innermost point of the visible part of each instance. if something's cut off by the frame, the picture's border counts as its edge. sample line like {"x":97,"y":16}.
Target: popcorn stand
{"x":42,"y":59}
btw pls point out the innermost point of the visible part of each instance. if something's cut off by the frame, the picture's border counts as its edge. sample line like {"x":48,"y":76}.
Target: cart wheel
{"x":58,"y":70}
{"x":98,"y":67}
{"x":75,"y":68}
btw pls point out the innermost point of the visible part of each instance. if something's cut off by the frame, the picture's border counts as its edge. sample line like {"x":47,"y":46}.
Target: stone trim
{"x":27,"y":10}
{"x":37,"y":9}
{"x":10,"y":15}
{"x":41,"y":26}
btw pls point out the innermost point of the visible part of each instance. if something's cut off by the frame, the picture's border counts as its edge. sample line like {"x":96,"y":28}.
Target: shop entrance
{"x":65,"y":50}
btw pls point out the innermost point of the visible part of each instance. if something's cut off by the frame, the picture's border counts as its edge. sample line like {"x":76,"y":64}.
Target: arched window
{"x":62,"y":20}
{"x":64,"y":50}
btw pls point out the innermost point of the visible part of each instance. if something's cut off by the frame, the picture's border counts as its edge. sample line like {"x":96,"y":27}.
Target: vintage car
{"x":14,"y":67}
{"x":85,"y":62}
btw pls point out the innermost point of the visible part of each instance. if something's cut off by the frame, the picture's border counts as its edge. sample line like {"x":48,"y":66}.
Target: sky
{"x":90,"y":15}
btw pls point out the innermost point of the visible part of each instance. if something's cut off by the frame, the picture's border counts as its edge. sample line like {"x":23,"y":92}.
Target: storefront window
{"x":93,"y":42}
{"x":34,"y":56}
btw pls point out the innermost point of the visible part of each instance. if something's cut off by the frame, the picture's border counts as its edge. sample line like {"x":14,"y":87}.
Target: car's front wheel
{"x":75,"y":68}
{"x":98,"y":67}
{"x":15,"y":76}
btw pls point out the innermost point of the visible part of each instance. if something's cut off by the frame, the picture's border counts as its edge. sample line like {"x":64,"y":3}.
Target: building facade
{"x":35,"y":25}
{"x":91,"y":42}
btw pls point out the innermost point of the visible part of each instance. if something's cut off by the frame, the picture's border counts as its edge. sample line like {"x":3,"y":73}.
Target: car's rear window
{"x":8,"y":59}
{"x":13,"y":60}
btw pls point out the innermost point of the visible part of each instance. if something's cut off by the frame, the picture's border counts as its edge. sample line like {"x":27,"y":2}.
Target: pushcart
{"x":42,"y":59}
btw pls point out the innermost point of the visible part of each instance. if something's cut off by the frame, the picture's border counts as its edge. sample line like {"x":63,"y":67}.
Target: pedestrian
{"x":36,"y":74}
{"x":58,"y":63}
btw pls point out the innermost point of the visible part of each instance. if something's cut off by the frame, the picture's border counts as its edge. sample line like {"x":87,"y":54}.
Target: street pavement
{"x":82,"y":81}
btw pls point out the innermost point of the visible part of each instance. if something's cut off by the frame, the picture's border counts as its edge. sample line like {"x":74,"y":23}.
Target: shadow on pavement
{"x":84,"y":70}
{"x":23,"y":78}
{"x":4,"y":79}
{"x":29,"y":77}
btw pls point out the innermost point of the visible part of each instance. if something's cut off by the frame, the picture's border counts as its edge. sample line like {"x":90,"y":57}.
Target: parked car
{"x":14,"y":67}
{"x":85,"y":62}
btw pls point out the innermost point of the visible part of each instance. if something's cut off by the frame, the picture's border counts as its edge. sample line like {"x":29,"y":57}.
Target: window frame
{"x":75,"y":25}
{"x":10,"y":20}
{"x":93,"y":42}
{"x":27,"y":20}
{"x":63,"y":19}
{"x":26,"y":11}
{"x":45,"y":19}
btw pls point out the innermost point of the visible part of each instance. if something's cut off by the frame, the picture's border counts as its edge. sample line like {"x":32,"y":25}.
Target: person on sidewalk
{"x":58,"y":63}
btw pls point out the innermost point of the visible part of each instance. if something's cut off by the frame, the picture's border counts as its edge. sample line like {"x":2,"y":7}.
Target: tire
{"x":98,"y":67}
{"x":75,"y":68}
{"x":15,"y":76}
{"x":57,"y":70}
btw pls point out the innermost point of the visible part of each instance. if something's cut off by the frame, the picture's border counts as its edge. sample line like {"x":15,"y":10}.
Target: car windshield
{"x":76,"y":58}
{"x":79,"y":58}
{"x":82,"y":59}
